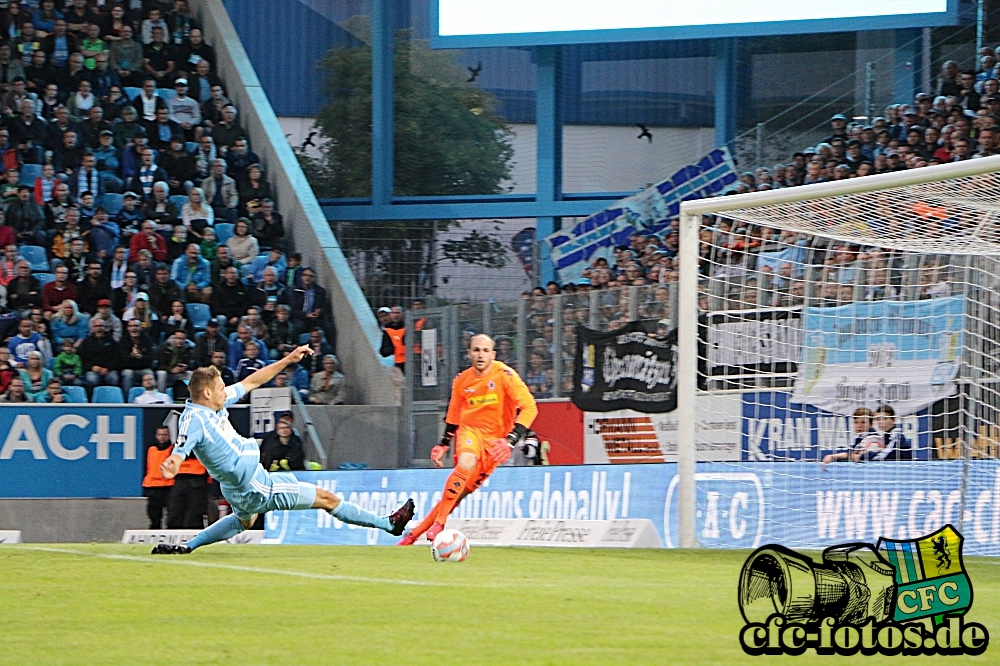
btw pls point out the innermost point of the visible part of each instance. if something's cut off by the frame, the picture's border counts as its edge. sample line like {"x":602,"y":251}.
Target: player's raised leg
{"x":454,"y":492}
{"x":289,"y":494}
{"x":351,"y":513}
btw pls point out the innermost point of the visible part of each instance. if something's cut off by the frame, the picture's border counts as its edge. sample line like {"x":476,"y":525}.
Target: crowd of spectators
{"x":140,"y":239}
{"x":746,"y":266}
{"x":960,"y":122}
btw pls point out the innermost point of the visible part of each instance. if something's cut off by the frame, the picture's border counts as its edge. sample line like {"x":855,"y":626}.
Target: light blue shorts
{"x":270,"y":491}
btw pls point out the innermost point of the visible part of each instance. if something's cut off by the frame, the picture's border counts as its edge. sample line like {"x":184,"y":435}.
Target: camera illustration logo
{"x":899,"y":597}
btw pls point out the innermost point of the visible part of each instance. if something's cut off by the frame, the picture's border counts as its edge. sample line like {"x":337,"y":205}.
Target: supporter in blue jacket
{"x":193,"y":274}
{"x":69,"y":322}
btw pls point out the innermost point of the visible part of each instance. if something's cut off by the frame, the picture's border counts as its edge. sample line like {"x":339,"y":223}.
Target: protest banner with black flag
{"x":625,"y":369}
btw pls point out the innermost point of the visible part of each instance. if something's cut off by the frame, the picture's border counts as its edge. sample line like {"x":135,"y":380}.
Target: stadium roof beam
{"x":438,"y":208}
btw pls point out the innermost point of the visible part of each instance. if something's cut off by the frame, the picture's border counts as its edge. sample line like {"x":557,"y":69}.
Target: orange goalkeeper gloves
{"x":501,"y":450}
{"x":440,"y":450}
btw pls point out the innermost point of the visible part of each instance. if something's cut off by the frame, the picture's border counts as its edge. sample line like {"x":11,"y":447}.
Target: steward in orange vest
{"x":155,"y":488}
{"x":393,"y":343}
{"x":189,"y":498}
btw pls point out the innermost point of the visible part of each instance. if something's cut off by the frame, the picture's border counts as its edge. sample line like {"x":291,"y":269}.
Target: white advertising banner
{"x":558,"y":533}
{"x":10,"y":536}
{"x":626,"y":436}
{"x":178,"y":537}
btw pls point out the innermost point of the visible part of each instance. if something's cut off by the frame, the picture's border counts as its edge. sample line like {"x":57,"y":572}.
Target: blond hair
{"x":202,"y":379}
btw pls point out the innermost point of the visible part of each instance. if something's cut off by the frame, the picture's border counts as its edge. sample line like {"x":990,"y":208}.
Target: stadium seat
{"x":29,"y":172}
{"x":108,"y":395}
{"x":75,"y":394}
{"x":178,"y":200}
{"x":112,"y":202}
{"x":170,"y":392}
{"x":223,"y":232}
{"x":36,"y":257}
{"x":191,"y":146}
{"x":44,"y":278}
{"x":131,"y":92}
{"x":199,"y":314}
{"x":166,"y":94}
{"x":134,"y":393}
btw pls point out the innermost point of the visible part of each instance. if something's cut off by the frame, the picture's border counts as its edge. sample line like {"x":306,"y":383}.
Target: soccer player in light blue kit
{"x":204,"y":430}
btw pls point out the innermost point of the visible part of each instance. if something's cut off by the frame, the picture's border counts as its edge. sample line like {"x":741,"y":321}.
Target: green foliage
{"x":449,"y":140}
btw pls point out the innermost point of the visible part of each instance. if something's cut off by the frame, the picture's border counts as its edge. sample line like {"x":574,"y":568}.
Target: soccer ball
{"x":450,"y":546}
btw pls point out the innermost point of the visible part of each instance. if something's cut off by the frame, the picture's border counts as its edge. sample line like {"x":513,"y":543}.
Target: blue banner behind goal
{"x":740,"y":505}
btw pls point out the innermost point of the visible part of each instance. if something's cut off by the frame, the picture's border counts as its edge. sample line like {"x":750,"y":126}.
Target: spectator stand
{"x":97,"y":276}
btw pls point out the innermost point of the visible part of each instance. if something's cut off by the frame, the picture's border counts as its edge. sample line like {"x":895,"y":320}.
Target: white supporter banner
{"x":626,"y":436}
{"x":557,"y":533}
{"x":10,"y":536}
{"x":265,"y":404}
{"x":178,"y":537}
{"x":908,"y":386}
{"x":428,"y":357}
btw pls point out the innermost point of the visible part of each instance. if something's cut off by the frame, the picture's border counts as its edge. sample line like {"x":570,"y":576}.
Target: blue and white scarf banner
{"x":651,"y":210}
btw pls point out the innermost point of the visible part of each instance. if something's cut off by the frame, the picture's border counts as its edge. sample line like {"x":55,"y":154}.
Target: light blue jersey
{"x":234,"y":461}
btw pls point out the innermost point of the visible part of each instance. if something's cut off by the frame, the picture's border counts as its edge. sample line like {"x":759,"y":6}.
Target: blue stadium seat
{"x":132,"y":93}
{"x":44,"y":278}
{"x":170,"y":392}
{"x":108,"y":395}
{"x":223,"y":231}
{"x":134,"y":393}
{"x":190,"y":146}
{"x":36,"y":257}
{"x":112,"y":202}
{"x":75,"y":394}
{"x":178,"y":200}
{"x":200,"y":314}
{"x":166,"y":94}
{"x":29,"y":172}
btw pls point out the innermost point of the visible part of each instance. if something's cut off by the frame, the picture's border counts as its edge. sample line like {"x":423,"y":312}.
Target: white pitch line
{"x":236,"y":567}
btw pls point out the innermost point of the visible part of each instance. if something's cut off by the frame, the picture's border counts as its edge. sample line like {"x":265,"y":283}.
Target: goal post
{"x":799,"y":307}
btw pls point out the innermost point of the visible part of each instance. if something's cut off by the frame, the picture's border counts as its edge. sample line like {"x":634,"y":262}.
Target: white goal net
{"x":839,"y":356}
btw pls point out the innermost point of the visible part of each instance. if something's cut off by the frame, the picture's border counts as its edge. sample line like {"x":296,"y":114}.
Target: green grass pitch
{"x":298,"y":605}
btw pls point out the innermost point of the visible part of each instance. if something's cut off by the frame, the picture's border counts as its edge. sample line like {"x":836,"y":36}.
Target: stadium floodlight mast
{"x":847,"y":211}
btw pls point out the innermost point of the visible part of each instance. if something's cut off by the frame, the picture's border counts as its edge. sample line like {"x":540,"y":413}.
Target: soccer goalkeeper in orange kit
{"x":490,"y":411}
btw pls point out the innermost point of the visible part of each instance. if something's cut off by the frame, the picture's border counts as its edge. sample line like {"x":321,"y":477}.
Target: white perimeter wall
{"x":596,"y":158}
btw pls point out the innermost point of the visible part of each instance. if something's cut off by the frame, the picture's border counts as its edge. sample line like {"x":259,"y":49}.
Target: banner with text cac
{"x":738,"y":505}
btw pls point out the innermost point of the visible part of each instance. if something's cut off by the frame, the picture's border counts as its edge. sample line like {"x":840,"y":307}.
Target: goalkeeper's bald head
{"x":481,"y":339}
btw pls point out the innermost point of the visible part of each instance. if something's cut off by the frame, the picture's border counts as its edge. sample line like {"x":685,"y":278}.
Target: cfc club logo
{"x":899,"y":597}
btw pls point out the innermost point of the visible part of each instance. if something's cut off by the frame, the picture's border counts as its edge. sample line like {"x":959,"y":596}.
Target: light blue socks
{"x":355,"y":515}
{"x":220,"y":530}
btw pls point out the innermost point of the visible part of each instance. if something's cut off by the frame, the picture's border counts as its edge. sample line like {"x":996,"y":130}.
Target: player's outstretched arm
{"x":269,"y":372}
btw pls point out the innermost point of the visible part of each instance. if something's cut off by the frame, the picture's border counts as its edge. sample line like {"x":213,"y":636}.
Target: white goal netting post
{"x":829,"y":325}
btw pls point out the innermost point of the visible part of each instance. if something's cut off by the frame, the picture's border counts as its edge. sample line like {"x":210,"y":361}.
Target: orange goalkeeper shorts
{"x":478,"y":443}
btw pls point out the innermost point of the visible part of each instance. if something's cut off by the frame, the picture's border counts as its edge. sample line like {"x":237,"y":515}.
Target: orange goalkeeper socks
{"x":454,"y":490}
{"x":426,"y":523}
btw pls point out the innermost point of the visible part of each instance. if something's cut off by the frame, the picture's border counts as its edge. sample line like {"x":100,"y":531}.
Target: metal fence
{"x":536,"y":336}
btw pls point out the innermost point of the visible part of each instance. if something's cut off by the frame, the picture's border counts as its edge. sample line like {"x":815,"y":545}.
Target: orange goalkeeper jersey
{"x":490,"y":402}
